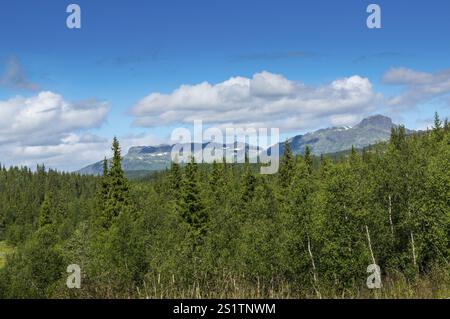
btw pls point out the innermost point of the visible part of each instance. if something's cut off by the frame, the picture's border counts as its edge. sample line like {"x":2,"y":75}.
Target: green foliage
{"x":45,"y":217}
{"x":34,"y":270}
{"x":221,"y":230}
{"x":286,"y":166}
{"x":308,"y":159}
{"x":5,"y":250}
{"x":248,"y":185}
{"x":117,"y":199}
{"x":175,"y":177}
{"x":192,"y":208}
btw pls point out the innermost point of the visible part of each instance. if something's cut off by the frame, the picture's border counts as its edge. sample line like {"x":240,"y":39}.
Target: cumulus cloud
{"x":46,"y":128}
{"x":15,"y":76}
{"x":71,"y":153}
{"x":46,"y":118}
{"x":419,"y":87}
{"x":265,"y":100}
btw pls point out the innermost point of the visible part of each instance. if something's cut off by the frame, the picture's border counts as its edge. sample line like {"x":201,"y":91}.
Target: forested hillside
{"x":224,"y":230}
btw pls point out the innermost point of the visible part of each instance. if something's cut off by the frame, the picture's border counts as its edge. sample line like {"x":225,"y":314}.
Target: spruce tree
{"x":248,"y":184}
{"x":118,"y":191}
{"x":103,"y":187}
{"x":354,"y":157}
{"x":192,"y":208}
{"x":217,"y":180}
{"x":437,"y":128}
{"x":105,"y":168}
{"x":215,"y":176}
{"x":45,"y":217}
{"x":175,"y":177}
{"x":324,"y":168}
{"x":308,"y":159}
{"x":286,"y":166}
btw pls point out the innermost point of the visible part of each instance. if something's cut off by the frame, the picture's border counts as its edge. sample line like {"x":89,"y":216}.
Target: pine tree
{"x":286,"y":166}
{"x":192,"y":208}
{"x":325,"y":165}
{"x":354,"y":157}
{"x":437,"y":128}
{"x":218,"y":180}
{"x":45,"y":217}
{"x":248,"y":184}
{"x":103,"y":187}
{"x":105,"y":168}
{"x":398,"y":137}
{"x":118,"y":191}
{"x":308,"y":159}
{"x":215,"y":176}
{"x":175,"y":177}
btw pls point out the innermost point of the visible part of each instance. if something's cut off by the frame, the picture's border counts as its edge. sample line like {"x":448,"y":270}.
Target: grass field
{"x":4,"y":250}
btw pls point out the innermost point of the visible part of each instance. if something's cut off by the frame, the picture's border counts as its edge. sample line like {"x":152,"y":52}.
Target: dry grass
{"x":395,"y":287}
{"x":435,"y":285}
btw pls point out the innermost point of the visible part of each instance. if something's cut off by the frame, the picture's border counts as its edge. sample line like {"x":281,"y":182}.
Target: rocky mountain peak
{"x":379,"y":121}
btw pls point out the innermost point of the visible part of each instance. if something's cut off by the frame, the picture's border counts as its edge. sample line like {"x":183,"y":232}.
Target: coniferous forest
{"x":225,"y":231}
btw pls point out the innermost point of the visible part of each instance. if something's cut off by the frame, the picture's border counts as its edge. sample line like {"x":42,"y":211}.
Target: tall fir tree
{"x":118,"y":191}
{"x":248,"y":183}
{"x":192,"y":207}
{"x":175,"y":177}
{"x":218,"y":180}
{"x":45,"y":214}
{"x":308,"y":159}
{"x":286,"y":166}
{"x":438,"y":131}
{"x":101,"y":195}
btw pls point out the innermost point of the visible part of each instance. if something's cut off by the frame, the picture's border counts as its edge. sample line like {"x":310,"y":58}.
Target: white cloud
{"x":47,"y":129}
{"x":268,"y":84}
{"x":266,"y":99}
{"x":46,"y":118}
{"x":419,"y":87}
{"x":70,"y":154}
{"x":406,"y":76}
{"x":344,"y":119}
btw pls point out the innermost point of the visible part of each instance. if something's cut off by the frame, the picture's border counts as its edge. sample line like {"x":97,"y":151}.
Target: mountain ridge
{"x":370,"y":130}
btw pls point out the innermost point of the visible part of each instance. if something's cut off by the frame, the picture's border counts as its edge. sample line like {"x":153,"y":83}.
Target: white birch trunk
{"x":370,"y":245}
{"x":390,"y":215}
{"x":413,"y":249}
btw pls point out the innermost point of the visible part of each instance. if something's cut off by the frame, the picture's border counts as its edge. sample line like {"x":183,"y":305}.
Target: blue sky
{"x":127,"y":50}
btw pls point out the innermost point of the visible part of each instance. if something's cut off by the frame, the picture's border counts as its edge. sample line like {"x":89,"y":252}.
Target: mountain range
{"x":369,"y":131}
